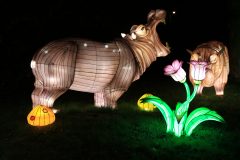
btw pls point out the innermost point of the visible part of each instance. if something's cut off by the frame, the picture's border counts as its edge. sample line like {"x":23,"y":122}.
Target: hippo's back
{"x":96,"y":65}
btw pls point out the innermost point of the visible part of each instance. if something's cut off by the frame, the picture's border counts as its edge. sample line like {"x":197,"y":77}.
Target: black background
{"x":27,"y":26}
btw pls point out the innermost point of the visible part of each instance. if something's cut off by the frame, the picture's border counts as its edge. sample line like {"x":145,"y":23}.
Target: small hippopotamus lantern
{"x":105,"y":69}
{"x":216,"y":55}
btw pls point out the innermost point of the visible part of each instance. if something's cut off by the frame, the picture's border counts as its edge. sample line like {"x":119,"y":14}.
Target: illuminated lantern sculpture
{"x":178,"y":121}
{"x":145,"y":106}
{"x":105,"y":69}
{"x":41,"y":116}
{"x":216,"y":55}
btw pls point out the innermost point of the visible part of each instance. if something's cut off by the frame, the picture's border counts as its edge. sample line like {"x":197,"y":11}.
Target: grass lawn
{"x":82,"y":131}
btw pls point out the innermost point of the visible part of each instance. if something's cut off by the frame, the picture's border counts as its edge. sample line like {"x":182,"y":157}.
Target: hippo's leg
{"x":45,"y":95}
{"x":219,"y":89}
{"x":51,"y":82}
{"x":219,"y":86}
{"x":199,"y":91}
{"x":220,"y":83}
{"x":107,"y":98}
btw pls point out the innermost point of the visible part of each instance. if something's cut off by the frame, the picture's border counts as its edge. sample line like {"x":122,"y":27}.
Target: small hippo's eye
{"x":141,"y":31}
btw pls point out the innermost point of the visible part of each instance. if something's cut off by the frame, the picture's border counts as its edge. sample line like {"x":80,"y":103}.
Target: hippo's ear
{"x":189,"y":51}
{"x":213,"y":58}
{"x":133,"y":28}
{"x":150,"y":15}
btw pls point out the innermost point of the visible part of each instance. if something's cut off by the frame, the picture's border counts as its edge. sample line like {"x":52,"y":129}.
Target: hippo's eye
{"x":141,"y":31}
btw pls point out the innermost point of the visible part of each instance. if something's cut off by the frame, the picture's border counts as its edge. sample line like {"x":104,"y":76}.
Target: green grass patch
{"x":82,"y":131}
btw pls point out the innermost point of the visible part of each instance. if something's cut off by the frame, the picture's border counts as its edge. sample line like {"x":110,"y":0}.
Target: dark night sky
{"x":27,"y":26}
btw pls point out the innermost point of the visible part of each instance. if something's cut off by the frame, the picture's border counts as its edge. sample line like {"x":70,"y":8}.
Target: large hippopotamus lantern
{"x":216,"y":54}
{"x":105,"y":69}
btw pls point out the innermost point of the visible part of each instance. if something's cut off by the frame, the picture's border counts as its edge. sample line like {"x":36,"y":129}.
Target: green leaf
{"x":198,"y":116}
{"x":178,"y":127}
{"x":178,"y":105}
{"x":181,"y":109}
{"x":197,"y":112}
{"x":163,"y":108}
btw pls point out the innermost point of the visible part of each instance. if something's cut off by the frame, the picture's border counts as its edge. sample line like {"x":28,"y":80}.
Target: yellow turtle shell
{"x":41,"y":116}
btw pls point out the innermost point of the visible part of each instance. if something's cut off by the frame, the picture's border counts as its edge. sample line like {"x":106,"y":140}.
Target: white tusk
{"x":133,"y":35}
{"x":123,"y":35}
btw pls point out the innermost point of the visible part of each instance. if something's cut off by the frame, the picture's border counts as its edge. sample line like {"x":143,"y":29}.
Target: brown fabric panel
{"x":126,"y":70}
{"x":123,"y":78}
{"x":85,"y":88}
{"x":94,"y":69}
{"x":101,"y":77}
{"x":107,"y":98}
{"x":144,"y":52}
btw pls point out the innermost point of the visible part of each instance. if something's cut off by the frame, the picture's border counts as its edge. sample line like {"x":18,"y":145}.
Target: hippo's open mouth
{"x":164,"y":50}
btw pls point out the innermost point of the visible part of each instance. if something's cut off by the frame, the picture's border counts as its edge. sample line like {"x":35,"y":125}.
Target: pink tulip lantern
{"x":199,"y":71}
{"x":176,"y":71}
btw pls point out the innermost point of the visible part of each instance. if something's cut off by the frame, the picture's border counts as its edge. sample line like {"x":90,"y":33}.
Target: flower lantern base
{"x":178,"y":121}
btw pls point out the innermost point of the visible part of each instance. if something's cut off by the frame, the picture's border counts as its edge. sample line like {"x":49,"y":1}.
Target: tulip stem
{"x":187,"y":90}
{"x":181,"y":110}
{"x":194,"y":92}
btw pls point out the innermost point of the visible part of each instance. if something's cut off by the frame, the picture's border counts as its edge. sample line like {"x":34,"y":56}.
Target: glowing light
{"x":106,"y":46}
{"x":173,"y":12}
{"x":128,"y":67}
{"x":178,"y":122}
{"x":33,"y":64}
{"x":55,"y":110}
{"x":116,"y":50}
{"x":85,"y":44}
{"x":46,"y":51}
{"x":50,"y":101}
{"x":53,"y":80}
